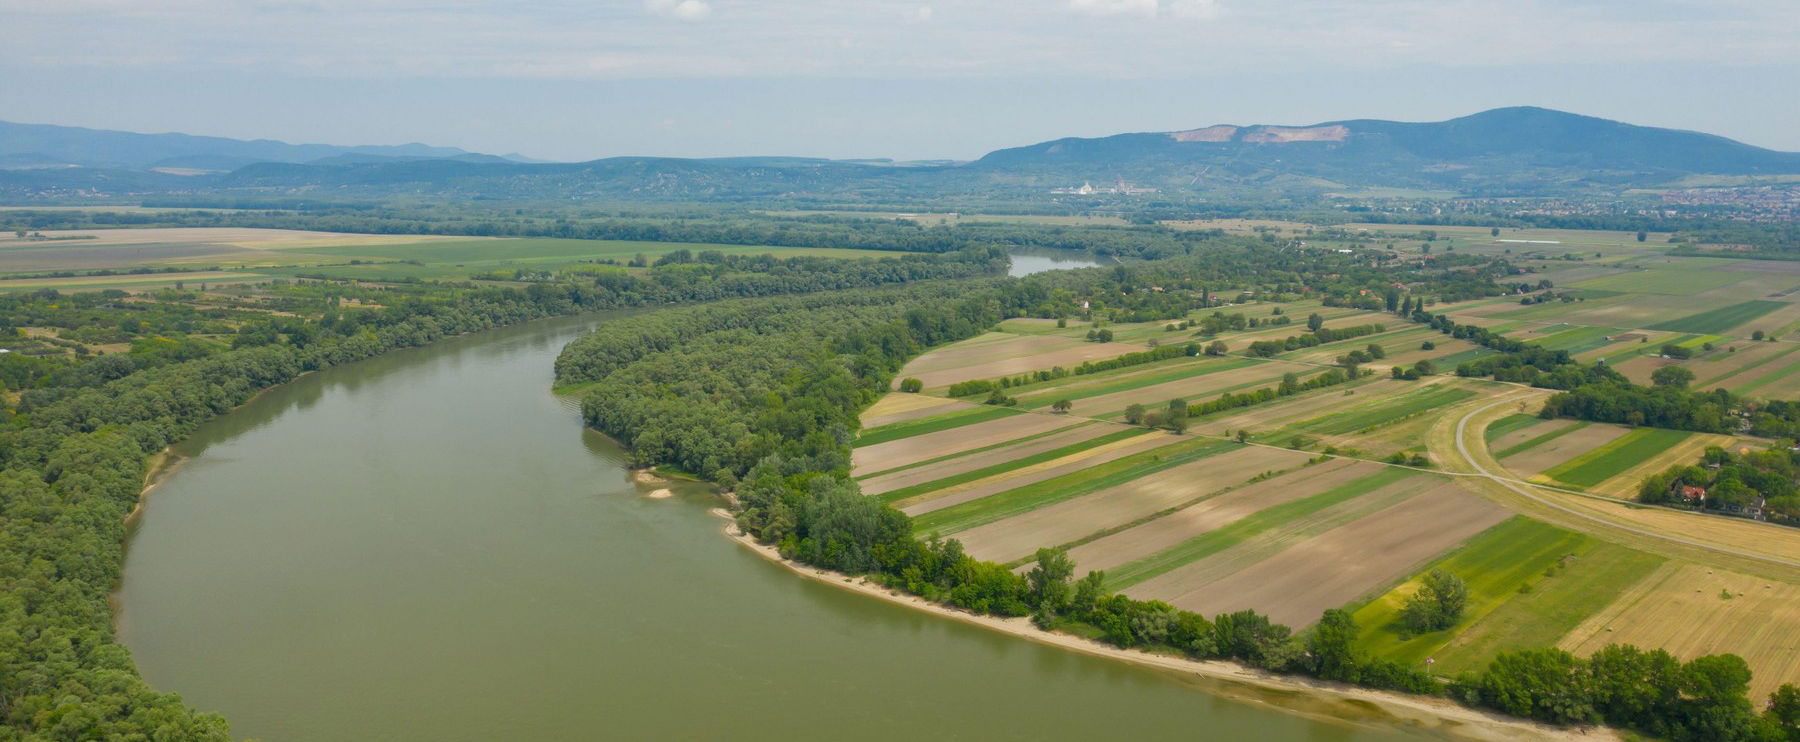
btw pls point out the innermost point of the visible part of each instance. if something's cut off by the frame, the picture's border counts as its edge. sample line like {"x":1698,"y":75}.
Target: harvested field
{"x":1334,"y":568}
{"x":969,"y":415}
{"x":1767,"y":381}
{"x":892,"y":454}
{"x":997,"y":354}
{"x":1682,"y":608}
{"x":1721,"y":319}
{"x":1386,"y":409}
{"x":894,"y":408}
{"x":1524,"y":438}
{"x":1668,"y":281}
{"x":1035,"y":473}
{"x":1555,"y":451}
{"x":1019,"y":536}
{"x":937,"y":474}
{"x":1137,"y":377}
{"x":1149,"y":538}
{"x":1750,"y":361}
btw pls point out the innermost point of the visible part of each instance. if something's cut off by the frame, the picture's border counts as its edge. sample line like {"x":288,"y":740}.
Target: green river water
{"x":427,"y":546}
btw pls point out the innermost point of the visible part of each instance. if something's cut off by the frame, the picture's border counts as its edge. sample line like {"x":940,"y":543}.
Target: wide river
{"x":428,"y":546}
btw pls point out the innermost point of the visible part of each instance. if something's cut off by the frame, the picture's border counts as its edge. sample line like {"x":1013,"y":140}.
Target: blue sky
{"x":868,"y":78}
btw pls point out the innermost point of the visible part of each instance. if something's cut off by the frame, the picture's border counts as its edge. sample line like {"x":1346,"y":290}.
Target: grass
{"x":1669,"y":281}
{"x":1541,"y":440}
{"x":1509,"y":424}
{"x":1494,"y":564}
{"x":1006,"y":466}
{"x":933,"y":424}
{"x":1721,"y":319}
{"x":1050,"y":491}
{"x":1554,"y":607}
{"x":1385,"y":411}
{"x":1217,"y":540}
{"x":1617,"y":455}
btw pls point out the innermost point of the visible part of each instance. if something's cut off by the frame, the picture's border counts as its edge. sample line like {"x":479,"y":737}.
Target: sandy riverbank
{"x":1334,"y":699}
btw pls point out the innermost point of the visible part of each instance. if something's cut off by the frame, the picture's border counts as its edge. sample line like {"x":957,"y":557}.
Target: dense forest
{"x":769,"y":407}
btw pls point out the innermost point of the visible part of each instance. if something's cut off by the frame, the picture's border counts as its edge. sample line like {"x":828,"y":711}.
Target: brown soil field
{"x":1639,"y":369}
{"x":884,"y":456}
{"x":1032,"y":474}
{"x":1541,"y":427}
{"x":1273,"y":415}
{"x":897,"y":407}
{"x":1729,"y":369}
{"x":1019,"y":536}
{"x":1399,"y":336}
{"x":1143,"y":540}
{"x":1407,"y":353}
{"x":1190,"y":585}
{"x":1011,"y":354}
{"x":1531,"y":461}
{"x":1680,"y":608}
{"x":1195,"y":389}
{"x":1343,"y":564}
{"x":933,"y":472}
{"x":1730,"y":534}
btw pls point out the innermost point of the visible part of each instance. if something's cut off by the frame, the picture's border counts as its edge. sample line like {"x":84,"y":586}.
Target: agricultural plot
{"x":1116,"y":455}
{"x":1273,"y":415}
{"x":1047,"y":393}
{"x":1195,"y":388}
{"x":1691,"y":610}
{"x":923,"y":440}
{"x":1719,"y":320}
{"x":1554,"y":451}
{"x":1019,"y":536}
{"x":1384,"y":410}
{"x":1509,"y":441}
{"x":998,"y":354}
{"x":1666,"y":281}
{"x":1615,"y":456}
{"x":895,"y":408}
{"x":1019,"y":452}
{"x":1148,"y":538}
{"x":1779,"y":380}
{"x":1742,"y":363}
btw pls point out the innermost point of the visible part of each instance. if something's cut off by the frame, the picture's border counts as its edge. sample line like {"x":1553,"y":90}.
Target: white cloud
{"x":1114,"y":7}
{"x":687,"y":10}
{"x":922,"y":13}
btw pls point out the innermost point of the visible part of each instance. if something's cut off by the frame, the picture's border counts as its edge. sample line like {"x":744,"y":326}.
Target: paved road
{"x":1463,"y":450}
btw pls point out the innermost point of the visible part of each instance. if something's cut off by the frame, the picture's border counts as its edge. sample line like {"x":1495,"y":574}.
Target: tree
{"x":1642,"y":235}
{"x":1088,"y":592}
{"x":1314,"y":322}
{"x":1134,"y":413}
{"x":1243,"y":436}
{"x":1428,"y":345}
{"x":1048,"y":581}
{"x":1675,"y":377}
{"x":1104,"y":336}
{"x":1495,"y":232}
{"x":1332,"y":647}
{"x":1716,"y":688}
{"x":1178,"y":424}
{"x":1546,"y":684}
{"x":1375,"y":351}
{"x":1784,"y":712}
{"x":1438,"y":603}
{"x":1216,"y":348}
{"x":1177,"y":408}
{"x":1757,"y":335}
{"x":1062,"y":322}
{"x":910,"y":384}
{"x":1062,"y":405}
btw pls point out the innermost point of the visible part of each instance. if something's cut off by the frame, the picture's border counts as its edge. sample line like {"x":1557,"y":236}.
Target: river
{"x":428,"y":546}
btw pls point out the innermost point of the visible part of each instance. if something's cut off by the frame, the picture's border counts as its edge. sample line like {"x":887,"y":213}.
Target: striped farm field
{"x":1684,"y":609}
{"x":1509,"y":424}
{"x":1558,"y":447}
{"x":1004,"y":461}
{"x":1297,"y":584}
{"x":1493,"y":564}
{"x":963,"y":433}
{"x":1192,"y":388}
{"x":1186,"y":368}
{"x":1719,"y":320}
{"x":895,"y":408}
{"x":932,"y":424}
{"x":998,"y":506}
{"x":961,"y":460}
{"x":1213,"y":542}
{"x":1087,"y":457}
{"x":998,"y":354}
{"x":1525,"y":439}
{"x":1624,"y":452}
{"x":1687,"y":451}
{"x":1668,"y":281}
{"x":1148,"y":538}
{"x":1386,"y":410}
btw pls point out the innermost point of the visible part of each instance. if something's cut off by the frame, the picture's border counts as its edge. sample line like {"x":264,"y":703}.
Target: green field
{"x":1385,"y":411}
{"x":1050,"y":491}
{"x":1721,"y":319}
{"x":1494,"y":564}
{"x":1617,"y":455}
{"x":1540,"y":440}
{"x":1669,"y":281}
{"x":1186,"y":369}
{"x":910,"y":428}
{"x":1554,"y":606}
{"x":1215,"y":541}
{"x":1019,"y":463}
{"x":1509,"y":424}
{"x":972,"y":451}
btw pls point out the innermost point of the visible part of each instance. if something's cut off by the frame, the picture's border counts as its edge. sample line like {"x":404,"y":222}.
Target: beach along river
{"x":428,"y":546}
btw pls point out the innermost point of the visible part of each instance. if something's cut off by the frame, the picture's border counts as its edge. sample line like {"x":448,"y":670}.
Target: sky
{"x":909,"y":79}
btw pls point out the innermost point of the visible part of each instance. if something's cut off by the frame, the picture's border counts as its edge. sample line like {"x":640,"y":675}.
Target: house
{"x":1692,"y":494}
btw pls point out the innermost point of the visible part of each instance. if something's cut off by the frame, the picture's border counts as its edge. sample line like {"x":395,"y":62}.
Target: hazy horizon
{"x":876,"y":78}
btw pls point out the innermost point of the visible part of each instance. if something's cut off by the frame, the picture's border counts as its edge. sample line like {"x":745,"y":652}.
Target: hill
{"x":43,"y":145}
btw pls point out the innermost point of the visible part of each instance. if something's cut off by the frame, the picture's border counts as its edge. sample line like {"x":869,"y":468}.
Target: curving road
{"x":1481,"y":471}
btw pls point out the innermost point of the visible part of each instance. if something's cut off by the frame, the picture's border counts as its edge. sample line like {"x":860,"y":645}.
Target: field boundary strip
{"x":1006,"y":466}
